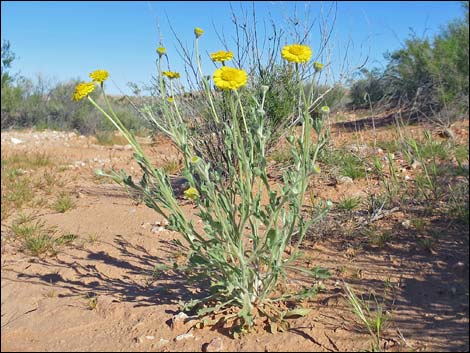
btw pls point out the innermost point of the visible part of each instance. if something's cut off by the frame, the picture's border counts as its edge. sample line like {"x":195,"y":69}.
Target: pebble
{"x":15,"y":141}
{"x":179,"y":321}
{"x":344,"y":180}
{"x":162,"y":342}
{"x":416,"y":164}
{"x":406,"y":224}
{"x":184,"y":336}
{"x":215,"y":345}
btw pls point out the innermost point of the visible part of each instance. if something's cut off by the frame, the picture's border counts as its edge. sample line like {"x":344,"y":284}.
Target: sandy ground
{"x":98,"y":294}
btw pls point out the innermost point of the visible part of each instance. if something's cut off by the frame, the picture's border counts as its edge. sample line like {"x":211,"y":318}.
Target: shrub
{"x":367,"y":91}
{"x":427,"y":77}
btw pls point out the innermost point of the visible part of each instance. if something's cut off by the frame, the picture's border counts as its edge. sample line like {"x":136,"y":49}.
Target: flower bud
{"x":317,"y":169}
{"x":198,"y":32}
{"x":161,"y":51}
{"x":318,"y":66}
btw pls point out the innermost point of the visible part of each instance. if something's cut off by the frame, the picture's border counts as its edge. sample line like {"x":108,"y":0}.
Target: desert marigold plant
{"x":240,"y":254}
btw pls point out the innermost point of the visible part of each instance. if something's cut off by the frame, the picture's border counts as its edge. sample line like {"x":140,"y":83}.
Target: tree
{"x":7,"y":58}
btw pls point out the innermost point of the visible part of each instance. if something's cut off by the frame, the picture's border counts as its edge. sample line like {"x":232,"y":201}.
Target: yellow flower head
{"x":318,"y":66}
{"x":230,"y":78}
{"x":161,"y":51}
{"x":191,"y":193}
{"x":296,"y":53}
{"x":171,"y":74}
{"x":170,"y":99}
{"x":198,"y":32}
{"x":99,"y":75}
{"x":316,"y":169}
{"x":222,"y":56}
{"x":195,"y":159}
{"x":325,"y":109}
{"x":82,"y":90}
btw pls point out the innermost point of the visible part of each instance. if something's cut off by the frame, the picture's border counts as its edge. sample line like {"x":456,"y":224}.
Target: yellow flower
{"x":198,"y":32}
{"x":195,"y":159}
{"x":229,"y":78}
{"x":161,"y":51}
{"x":297,"y":53}
{"x":222,"y":56}
{"x":318,"y":66}
{"x":191,"y":193}
{"x":171,"y":74}
{"x":99,"y":75}
{"x":325,"y":109}
{"x":82,"y":90}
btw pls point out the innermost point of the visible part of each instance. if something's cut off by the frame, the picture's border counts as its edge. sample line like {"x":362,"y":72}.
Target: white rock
{"x":162,"y":342}
{"x":184,"y":336}
{"x":345,"y":180}
{"x":178,"y":321}
{"x":16,"y":141}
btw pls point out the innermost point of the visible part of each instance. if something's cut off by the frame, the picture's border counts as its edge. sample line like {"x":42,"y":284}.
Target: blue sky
{"x":65,"y":39}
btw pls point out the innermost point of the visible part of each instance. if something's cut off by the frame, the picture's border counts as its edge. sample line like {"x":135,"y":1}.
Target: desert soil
{"x":98,"y":294}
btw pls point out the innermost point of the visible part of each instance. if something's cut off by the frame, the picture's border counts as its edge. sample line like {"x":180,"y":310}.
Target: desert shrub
{"x":428,"y":77}
{"x":336,"y":96}
{"x":10,"y":95}
{"x":42,"y":104}
{"x":367,"y":91}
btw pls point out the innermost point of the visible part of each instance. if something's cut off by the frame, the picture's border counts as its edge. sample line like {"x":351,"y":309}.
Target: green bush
{"x":367,"y":91}
{"x":428,"y":77}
